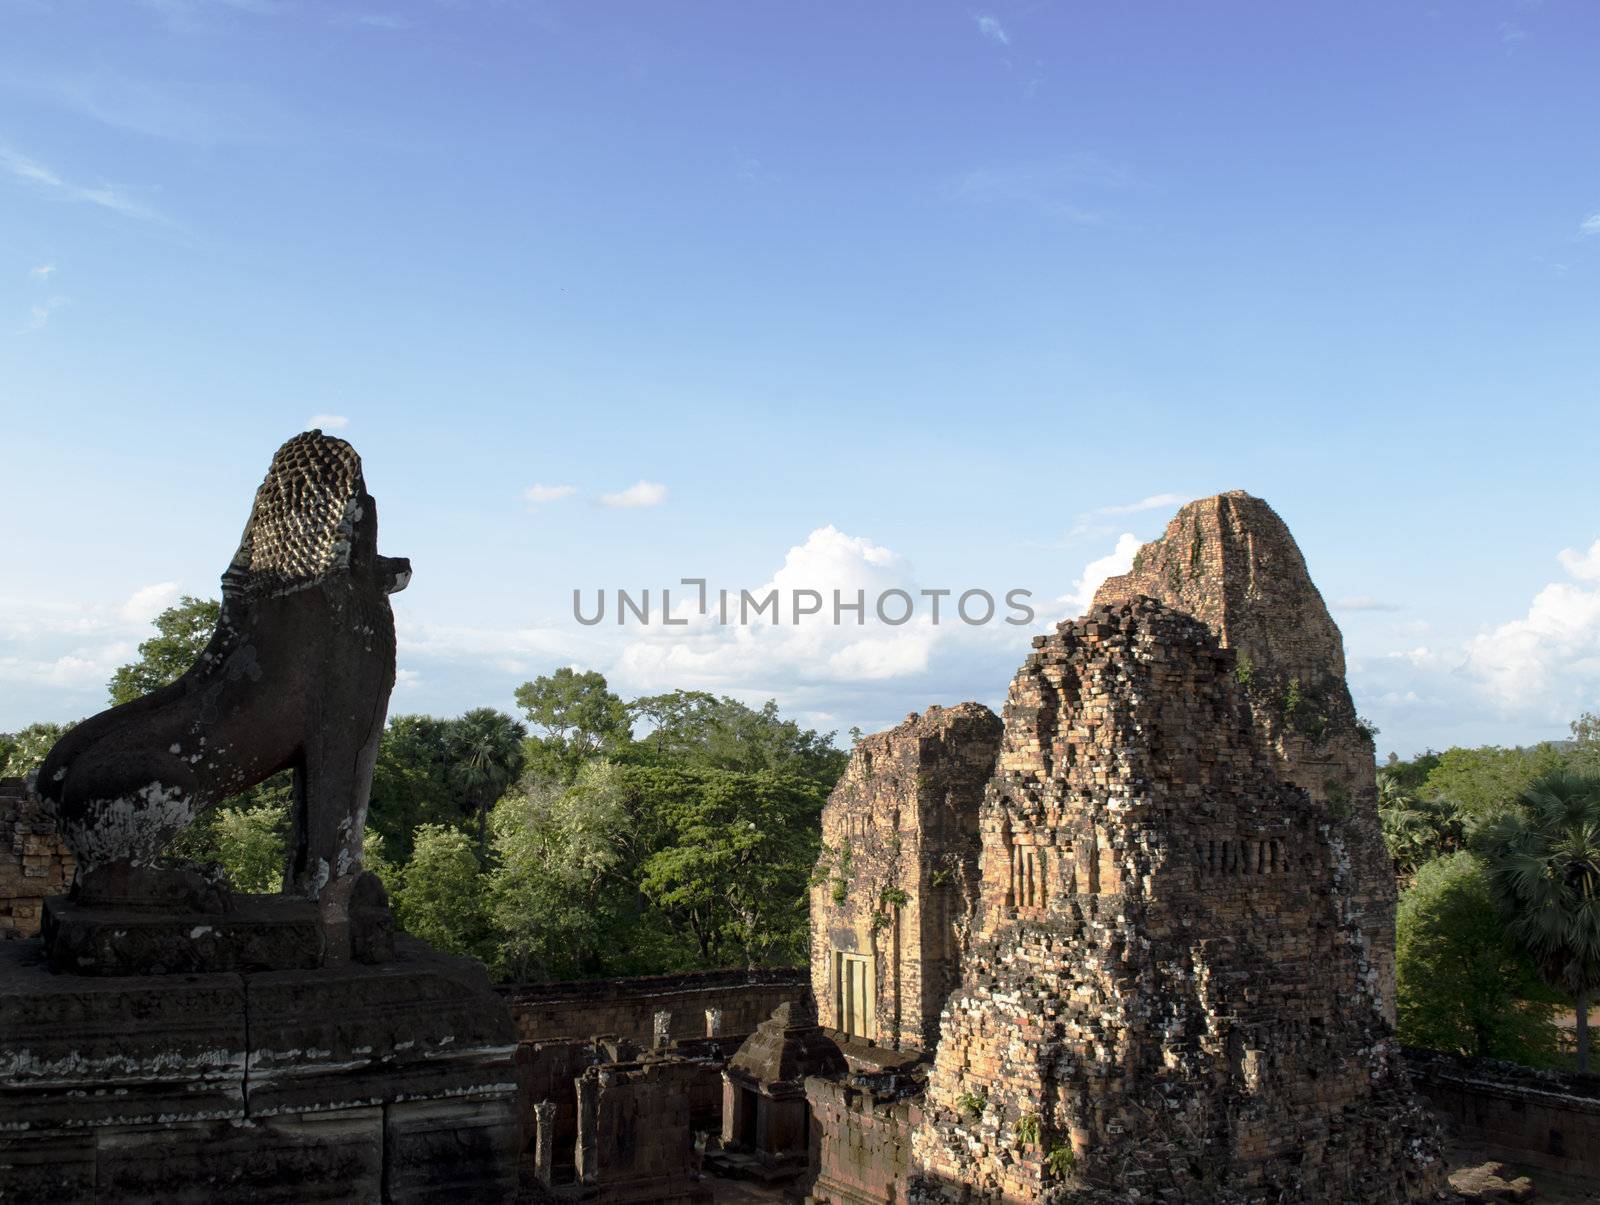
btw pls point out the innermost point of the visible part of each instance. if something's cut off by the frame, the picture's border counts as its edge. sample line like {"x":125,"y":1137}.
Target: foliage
{"x":22,"y":751}
{"x":1543,"y":859}
{"x":1027,"y":1129}
{"x":1463,"y":984}
{"x":973,"y":1103}
{"x":1585,"y":752}
{"x":485,"y":749}
{"x":412,"y":783}
{"x":693,"y":729}
{"x":182,"y":632}
{"x":250,"y":843}
{"x":440,"y":897}
{"x":579,"y":719}
{"x":731,"y":856}
{"x":1062,"y":1161}
{"x":558,"y":892}
{"x":1408,"y":776}
{"x":1416,"y":830}
{"x":1480,"y":782}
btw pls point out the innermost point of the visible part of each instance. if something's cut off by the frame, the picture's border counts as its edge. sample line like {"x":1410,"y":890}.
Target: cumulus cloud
{"x":536,"y":493}
{"x":1585,"y":566}
{"x":56,"y":656}
{"x":640,"y":494}
{"x":1119,"y":560}
{"x":1590,"y":224}
{"x":811,"y":648}
{"x":327,"y":422}
{"x":1549,"y":658}
{"x":144,"y":605}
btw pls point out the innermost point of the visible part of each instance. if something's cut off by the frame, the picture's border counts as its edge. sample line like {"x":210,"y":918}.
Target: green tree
{"x":485,"y":758}
{"x":412,"y":782}
{"x":182,"y":633}
{"x":693,"y":728}
{"x":560,"y":890}
{"x":1543,"y":859}
{"x":442,"y":897}
{"x":21,"y":752}
{"x":1416,"y":830}
{"x":1463,"y":984}
{"x":1480,"y":782}
{"x":575,"y":716}
{"x":250,"y":845}
{"x":1408,"y":776}
{"x":730,"y":866}
{"x":1585,"y":753}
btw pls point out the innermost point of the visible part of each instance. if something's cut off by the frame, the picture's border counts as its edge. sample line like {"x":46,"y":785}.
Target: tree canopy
{"x":182,"y":632}
{"x":1543,"y":864}
{"x":1463,"y":984}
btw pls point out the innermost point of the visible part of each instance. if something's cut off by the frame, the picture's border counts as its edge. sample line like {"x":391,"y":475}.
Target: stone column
{"x":544,"y":1141}
{"x":713,"y":1022}
{"x":587,"y":1151}
{"x":662,"y":1029}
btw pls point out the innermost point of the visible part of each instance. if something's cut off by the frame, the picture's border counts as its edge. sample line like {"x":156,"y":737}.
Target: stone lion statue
{"x":296,"y":677}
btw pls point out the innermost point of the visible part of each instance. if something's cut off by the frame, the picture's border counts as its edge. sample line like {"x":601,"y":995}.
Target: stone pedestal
{"x":358,"y":1083}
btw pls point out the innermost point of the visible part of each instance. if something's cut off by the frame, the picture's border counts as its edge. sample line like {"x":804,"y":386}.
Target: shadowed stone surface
{"x":1163,"y":993}
{"x":359,"y":1083}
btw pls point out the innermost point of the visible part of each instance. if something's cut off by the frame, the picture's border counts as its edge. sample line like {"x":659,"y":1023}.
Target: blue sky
{"x":895,"y":293}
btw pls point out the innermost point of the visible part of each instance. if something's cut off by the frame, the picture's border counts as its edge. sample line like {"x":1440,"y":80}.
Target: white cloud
{"x":1585,"y":566}
{"x":43,"y":272}
{"x":406,"y":679}
{"x":49,"y":181}
{"x":56,"y":657}
{"x":1590,"y":224}
{"x":536,"y":493}
{"x":989,"y":26}
{"x":39,"y":315}
{"x":1119,"y":560}
{"x":640,"y":494}
{"x":1547,"y":661}
{"x":762,"y":655}
{"x":144,"y":605}
{"x":327,"y":422}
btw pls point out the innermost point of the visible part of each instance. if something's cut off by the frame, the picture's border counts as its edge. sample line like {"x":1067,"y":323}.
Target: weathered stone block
{"x":463,"y":1149}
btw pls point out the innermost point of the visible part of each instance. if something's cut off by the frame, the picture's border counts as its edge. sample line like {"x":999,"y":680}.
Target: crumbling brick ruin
{"x":899,"y":861}
{"x":38,"y":865}
{"x":1230,"y":561}
{"x":1162,"y":996}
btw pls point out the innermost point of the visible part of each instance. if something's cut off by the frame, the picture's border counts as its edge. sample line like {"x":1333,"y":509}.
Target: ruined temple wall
{"x":891,"y":896}
{"x":1162,"y":987}
{"x":1547,"y":1120}
{"x":629,"y":1007}
{"x":1231,"y":562}
{"x":34,"y":863}
{"x":863,"y":1147}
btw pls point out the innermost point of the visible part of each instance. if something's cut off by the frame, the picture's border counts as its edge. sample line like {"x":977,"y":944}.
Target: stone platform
{"x":356,"y":1083}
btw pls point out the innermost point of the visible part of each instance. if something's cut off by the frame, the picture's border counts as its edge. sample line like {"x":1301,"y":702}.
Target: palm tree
{"x":1543,"y":859}
{"x":486,"y":758}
